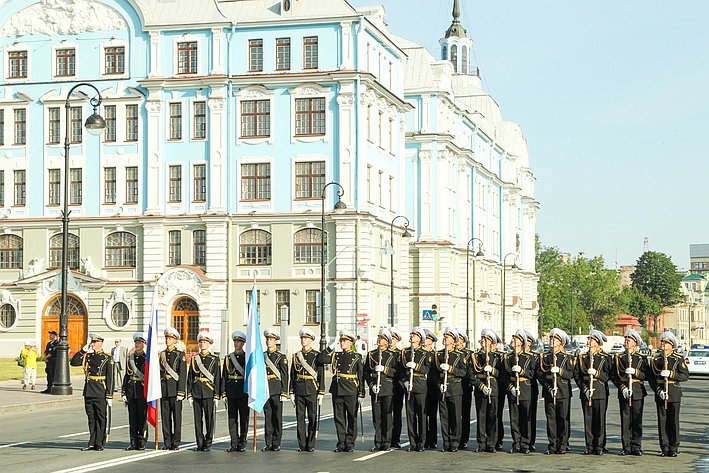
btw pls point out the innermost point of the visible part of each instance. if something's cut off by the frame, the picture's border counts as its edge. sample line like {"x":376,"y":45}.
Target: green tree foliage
{"x":639,"y":304}
{"x":656,"y":277}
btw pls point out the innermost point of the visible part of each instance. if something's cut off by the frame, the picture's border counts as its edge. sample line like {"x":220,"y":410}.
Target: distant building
{"x":626,"y":321}
{"x":699,"y":258}
{"x":688,"y":319}
{"x":625,"y":273}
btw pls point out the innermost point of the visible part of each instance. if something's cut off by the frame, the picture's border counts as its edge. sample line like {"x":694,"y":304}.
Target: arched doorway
{"x":77,"y":327}
{"x":185,"y":318}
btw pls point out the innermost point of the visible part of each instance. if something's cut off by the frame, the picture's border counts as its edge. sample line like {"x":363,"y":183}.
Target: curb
{"x":36,"y":406}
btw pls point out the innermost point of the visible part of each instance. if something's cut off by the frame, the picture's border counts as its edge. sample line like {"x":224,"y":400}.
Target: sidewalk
{"x":13,"y":399}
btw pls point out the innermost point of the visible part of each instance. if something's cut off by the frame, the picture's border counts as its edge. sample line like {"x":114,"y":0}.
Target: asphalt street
{"x":49,"y":441}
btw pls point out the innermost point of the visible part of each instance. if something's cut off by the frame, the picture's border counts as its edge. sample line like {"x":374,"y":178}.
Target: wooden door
{"x":77,"y":326}
{"x":185,"y":318}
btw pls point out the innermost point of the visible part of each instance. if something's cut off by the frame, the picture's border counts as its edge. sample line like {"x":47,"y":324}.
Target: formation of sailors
{"x":434,"y":386}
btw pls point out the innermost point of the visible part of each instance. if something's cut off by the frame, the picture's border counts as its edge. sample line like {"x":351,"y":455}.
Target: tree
{"x":656,"y":276}
{"x":639,"y":304}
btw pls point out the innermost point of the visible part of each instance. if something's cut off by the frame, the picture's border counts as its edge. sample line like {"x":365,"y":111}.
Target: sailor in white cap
{"x":347,"y":388}
{"x":380,"y":372}
{"x":592,"y":374}
{"x":173,"y":381}
{"x":132,"y":392}
{"x":236,"y":400}
{"x":628,"y":373}
{"x":277,"y":373}
{"x":520,"y":369}
{"x":485,"y":370}
{"x":397,"y":400}
{"x":452,"y":369}
{"x":462,"y":346}
{"x":667,"y":371}
{"x":307,"y":390}
{"x":432,"y":393}
{"x":415,"y":362}
{"x":204,"y":390}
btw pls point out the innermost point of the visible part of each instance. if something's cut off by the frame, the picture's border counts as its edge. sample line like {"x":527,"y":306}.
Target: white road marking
{"x":13,"y":444}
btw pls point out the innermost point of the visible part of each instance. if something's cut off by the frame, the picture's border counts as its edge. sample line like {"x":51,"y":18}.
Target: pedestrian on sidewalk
{"x":50,"y":359}
{"x":29,"y":356}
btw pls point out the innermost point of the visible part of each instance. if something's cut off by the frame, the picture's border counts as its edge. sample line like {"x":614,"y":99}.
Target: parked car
{"x":697,"y":361}
{"x":617,"y":348}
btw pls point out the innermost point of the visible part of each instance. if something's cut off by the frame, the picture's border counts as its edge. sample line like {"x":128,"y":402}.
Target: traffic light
{"x":434,"y":311}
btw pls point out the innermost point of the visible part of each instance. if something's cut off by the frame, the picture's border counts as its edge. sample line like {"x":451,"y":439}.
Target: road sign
{"x":427,"y":314}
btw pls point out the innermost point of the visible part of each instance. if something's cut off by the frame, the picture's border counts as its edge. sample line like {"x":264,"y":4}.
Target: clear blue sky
{"x":613,"y":97}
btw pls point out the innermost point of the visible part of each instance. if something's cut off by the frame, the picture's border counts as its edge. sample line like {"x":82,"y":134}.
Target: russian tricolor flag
{"x":151,"y":388}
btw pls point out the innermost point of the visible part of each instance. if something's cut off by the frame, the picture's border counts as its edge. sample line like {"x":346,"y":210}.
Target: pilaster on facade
{"x":154,"y":54}
{"x":217,"y":257}
{"x":154,"y":186}
{"x":153,"y":256}
{"x":217,"y":51}
{"x":218,"y":126}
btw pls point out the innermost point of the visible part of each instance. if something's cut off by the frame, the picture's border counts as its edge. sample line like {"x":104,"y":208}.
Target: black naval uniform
{"x":382,"y":414}
{"x":467,"y":405}
{"x":450,"y":395}
{"x":277,"y":388}
{"x":50,"y":362}
{"x":347,"y":385}
{"x":133,"y":390}
{"x":237,"y":399}
{"x":521,"y":405}
{"x":486,"y":406}
{"x":432,"y":393}
{"x":173,"y":392}
{"x":306,"y":388}
{"x":98,"y":389}
{"x":631,"y":417}
{"x":204,"y":388}
{"x":557,"y":411}
{"x":501,"y":397}
{"x":416,"y":398}
{"x":668,"y":419}
{"x":534,"y":401}
{"x":397,"y":405}
{"x":594,"y":415}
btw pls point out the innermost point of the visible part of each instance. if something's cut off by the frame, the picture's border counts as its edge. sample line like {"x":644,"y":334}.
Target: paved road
{"x":49,"y":440}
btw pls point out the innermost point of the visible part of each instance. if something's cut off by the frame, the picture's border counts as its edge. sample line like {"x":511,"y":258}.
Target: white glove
{"x":665,"y":373}
{"x":663,"y":395}
{"x":333,"y":345}
{"x":320,"y":398}
{"x":555,"y":369}
{"x":445,"y":366}
{"x":592,"y":371}
{"x":513,"y":391}
{"x":517,"y":369}
{"x":284,"y":397}
{"x":109,"y":402}
{"x":359,"y":401}
{"x":626,"y":393}
{"x":554,"y":391}
{"x":375,"y":389}
{"x":488,"y":369}
{"x":411,"y":365}
{"x":190,"y":401}
{"x":180,"y":398}
{"x":406,"y":385}
{"x":124,"y":399}
{"x":487,"y":390}
{"x":292,"y":399}
{"x":87,"y":347}
{"x":443,"y":388}
{"x":630,"y":371}
{"x":379,"y":368}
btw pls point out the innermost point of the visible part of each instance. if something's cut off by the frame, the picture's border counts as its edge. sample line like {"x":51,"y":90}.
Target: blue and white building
{"x":225,"y":120}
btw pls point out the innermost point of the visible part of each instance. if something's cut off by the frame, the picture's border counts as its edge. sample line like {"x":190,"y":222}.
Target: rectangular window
{"x":132,"y":185}
{"x":199,"y":131}
{"x":109,"y":115}
{"x":256,"y":181}
{"x":311,"y":306}
{"x":200,"y":182}
{"x":54,"y":126}
{"x":54,"y":186}
{"x":255,"y":118}
{"x":187,"y":57}
{"x":391,"y":135}
{"x":282,"y":304}
{"x":75,"y":191}
{"x":20,"y":126}
{"x":175,"y":184}
{"x":369,"y":123}
{"x":115,"y":60}
{"x":282,"y":54}
{"x":381,"y":188}
{"x":77,"y":125}
{"x":248,"y":301}
{"x":199,"y":247}
{"x":255,"y":55}
{"x":20,"y":187}
{"x":131,"y":123}
{"x":309,"y":179}
{"x":175,"y":248}
{"x":66,"y":62}
{"x":2,"y":127}
{"x":109,"y":185}
{"x":176,"y":121}
{"x":369,"y":184}
{"x":380,"y":123}
{"x":310,"y":52}
{"x":2,"y":188}
{"x":17,"y":64}
{"x":309,"y":116}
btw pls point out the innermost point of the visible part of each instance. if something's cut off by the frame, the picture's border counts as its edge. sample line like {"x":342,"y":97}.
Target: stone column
{"x":217,"y":127}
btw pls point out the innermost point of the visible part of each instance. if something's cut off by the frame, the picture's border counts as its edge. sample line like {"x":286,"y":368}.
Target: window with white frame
{"x":175,"y":121}
{"x":309,"y":179}
{"x":55,"y":251}
{"x":2,"y":188}
{"x":109,"y":185}
{"x":255,"y":55}
{"x":17,"y":64}
{"x":282,"y":54}
{"x":187,"y":57}
{"x":200,"y":182}
{"x":199,"y":128}
{"x":308,"y":246}
{"x":109,"y":116}
{"x":255,"y":118}
{"x":120,"y":250}
{"x":199,"y":247}
{"x":120,"y":315}
{"x":175,"y":247}
{"x":175,"y":187}
{"x":114,"y":60}
{"x":256,"y":181}
{"x":54,"y":126}
{"x":310,"y":52}
{"x":8,"y":316}
{"x":132,"y":185}
{"x":76,"y":124}
{"x":11,"y":248}
{"x":131,"y":123}
{"x":20,"y":187}
{"x":20,"y":126}
{"x":255,"y":248}
{"x":65,"y":62}
{"x":54,"y":186}
{"x":75,"y":186}
{"x":282,"y":303}
{"x":2,"y":127}
{"x":311,"y":306}
{"x":310,"y":116}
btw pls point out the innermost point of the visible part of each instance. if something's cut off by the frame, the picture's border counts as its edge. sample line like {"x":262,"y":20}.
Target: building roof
{"x":627,"y":319}
{"x":694,"y":277}
{"x":699,"y":250}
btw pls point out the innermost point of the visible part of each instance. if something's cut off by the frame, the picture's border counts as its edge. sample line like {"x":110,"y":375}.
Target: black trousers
{"x":533,"y":418}
{"x":273,"y":419}
{"x":96,"y":415}
{"x":557,"y":424}
{"x":137,"y":416}
{"x":397,"y":405}
{"x":345,"y":415}
{"x":520,"y":423}
{"x":432,"y":415}
{"x":49,"y":369}
{"x":450,"y":407}
{"x":204,"y":414}
{"x":238,"y":419}
{"x":501,"y":396}
{"x":382,"y":416}
{"x":465,"y":419}
{"x":416,"y":420}
{"x":631,"y":424}
{"x":668,"y":425}
{"x":171,"y":416}
{"x":306,"y":406}
{"x":486,"y":410}
{"x":594,"y":422}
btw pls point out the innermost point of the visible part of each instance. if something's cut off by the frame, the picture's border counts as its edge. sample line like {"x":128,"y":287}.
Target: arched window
{"x":255,"y":247}
{"x":454,"y":57}
{"x":444,"y":53}
{"x":120,"y":250}
{"x":73,"y":307}
{"x":120,"y":314}
{"x":55,"y":251}
{"x":307,"y":246}
{"x":464,"y":60}
{"x":8,"y":317}
{"x":10,"y":251}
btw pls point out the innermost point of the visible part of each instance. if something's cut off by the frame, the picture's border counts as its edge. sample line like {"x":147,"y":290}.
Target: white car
{"x":697,"y":361}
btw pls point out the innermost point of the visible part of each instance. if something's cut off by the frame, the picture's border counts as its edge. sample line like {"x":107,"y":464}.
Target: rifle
{"x":487,"y":362}
{"x":554,"y":391}
{"x":108,"y":422}
{"x":411,"y":375}
{"x":361,"y":422}
{"x":517,"y":373}
{"x":590,"y":381}
{"x":317,"y":422}
{"x":667,"y":379}
{"x":379,"y":378}
{"x":630,"y":380}
{"x":445,"y":374}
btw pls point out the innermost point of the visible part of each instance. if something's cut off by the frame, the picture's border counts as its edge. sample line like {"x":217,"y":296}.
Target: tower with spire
{"x":456,"y":47}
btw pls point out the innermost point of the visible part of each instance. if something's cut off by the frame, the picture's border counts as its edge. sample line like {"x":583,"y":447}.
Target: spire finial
{"x":456,"y":28}
{"x":456,"y":10}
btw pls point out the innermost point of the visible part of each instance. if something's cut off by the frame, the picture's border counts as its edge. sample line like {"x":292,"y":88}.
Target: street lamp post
{"x":467,"y":286}
{"x":405,"y":234}
{"x":95,"y":124}
{"x":502,"y":299}
{"x":339,"y":205}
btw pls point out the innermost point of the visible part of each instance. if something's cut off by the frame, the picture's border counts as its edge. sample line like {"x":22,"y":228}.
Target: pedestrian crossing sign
{"x":427,"y":314}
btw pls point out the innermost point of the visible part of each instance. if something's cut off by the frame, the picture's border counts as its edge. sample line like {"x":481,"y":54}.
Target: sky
{"x":613,"y":98}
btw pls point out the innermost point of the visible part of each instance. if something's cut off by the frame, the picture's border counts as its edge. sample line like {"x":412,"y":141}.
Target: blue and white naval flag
{"x":256,"y":379}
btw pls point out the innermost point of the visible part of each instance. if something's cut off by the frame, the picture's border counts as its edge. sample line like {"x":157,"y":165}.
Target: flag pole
{"x":254,"y":429}
{"x":157,"y":412}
